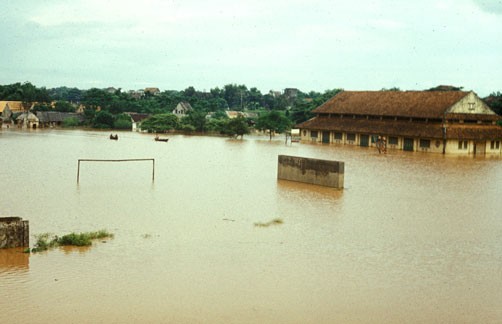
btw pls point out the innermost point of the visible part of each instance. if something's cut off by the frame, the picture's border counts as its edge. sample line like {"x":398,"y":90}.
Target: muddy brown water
{"x":413,"y":237}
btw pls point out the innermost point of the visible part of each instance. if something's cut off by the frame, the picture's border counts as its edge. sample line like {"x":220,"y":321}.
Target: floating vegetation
{"x":275,"y":221}
{"x":43,"y":242}
{"x":83,"y":239}
{"x":47,"y":241}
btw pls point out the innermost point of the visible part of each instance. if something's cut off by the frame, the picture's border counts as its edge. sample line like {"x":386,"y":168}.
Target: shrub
{"x":71,"y":122}
{"x":82,"y":239}
{"x":43,"y":243}
{"x":122,"y":124}
{"x":46,"y":241}
{"x":187,"y":128}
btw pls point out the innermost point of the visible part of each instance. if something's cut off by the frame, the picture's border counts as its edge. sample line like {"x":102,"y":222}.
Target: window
{"x":313,"y":134}
{"x":392,"y":140}
{"x":495,"y":145}
{"x":351,"y":137}
{"x":338,"y":136}
{"x":425,"y":143}
{"x":462,"y":145}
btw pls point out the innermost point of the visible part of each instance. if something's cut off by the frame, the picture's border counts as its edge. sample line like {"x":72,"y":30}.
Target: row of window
{"x":462,"y":145}
{"x":392,"y":140}
{"x":494,"y":145}
{"x":423,"y":143}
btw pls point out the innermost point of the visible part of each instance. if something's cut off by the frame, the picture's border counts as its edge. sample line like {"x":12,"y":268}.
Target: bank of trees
{"x":105,"y":108}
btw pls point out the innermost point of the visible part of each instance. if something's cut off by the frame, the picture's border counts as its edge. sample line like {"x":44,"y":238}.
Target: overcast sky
{"x":273,"y":44}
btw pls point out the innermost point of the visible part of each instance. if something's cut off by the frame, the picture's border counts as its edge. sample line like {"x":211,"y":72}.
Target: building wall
{"x":470,"y":104}
{"x":453,"y":146}
{"x":14,"y":232}
{"x":313,"y":171}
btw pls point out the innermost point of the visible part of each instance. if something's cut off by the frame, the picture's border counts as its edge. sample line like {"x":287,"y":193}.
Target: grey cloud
{"x":491,"y":6}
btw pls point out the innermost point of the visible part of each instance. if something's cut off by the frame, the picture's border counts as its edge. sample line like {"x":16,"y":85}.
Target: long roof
{"x":403,"y":128}
{"x":421,"y":104}
{"x":56,"y":116}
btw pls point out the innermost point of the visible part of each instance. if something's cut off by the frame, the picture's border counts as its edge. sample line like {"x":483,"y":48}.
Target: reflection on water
{"x":412,"y":238}
{"x":13,"y":260}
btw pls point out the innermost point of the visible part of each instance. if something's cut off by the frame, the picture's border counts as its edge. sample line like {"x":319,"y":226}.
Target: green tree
{"x":71,"y":122}
{"x":235,"y":127}
{"x":41,"y":107}
{"x":273,"y":122}
{"x":197,"y":119}
{"x":103,"y":119}
{"x":446,"y":88}
{"x":494,"y":101}
{"x":237,"y":96}
{"x":216,"y":125}
{"x":64,"y":106}
{"x":160,"y":123}
{"x":122,"y":121}
{"x":94,"y":98}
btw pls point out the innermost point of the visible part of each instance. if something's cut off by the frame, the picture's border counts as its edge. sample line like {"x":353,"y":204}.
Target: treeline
{"x":106,"y":107}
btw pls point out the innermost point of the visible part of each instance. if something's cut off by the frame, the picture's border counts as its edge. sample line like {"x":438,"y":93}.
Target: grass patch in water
{"x":275,"y":221}
{"x":43,"y":242}
{"x":46,"y":241}
{"x":82,"y":239}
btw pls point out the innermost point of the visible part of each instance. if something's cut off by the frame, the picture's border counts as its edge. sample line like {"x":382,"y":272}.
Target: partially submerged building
{"x":56,"y":118}
{"x":428,"y":121}
{"x":136,"y":119}
{"x":27,"y":120}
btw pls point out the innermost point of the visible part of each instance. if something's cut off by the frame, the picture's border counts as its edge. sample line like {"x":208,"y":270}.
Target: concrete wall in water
{"x":14,"y":232}
{"x":313,"y":171}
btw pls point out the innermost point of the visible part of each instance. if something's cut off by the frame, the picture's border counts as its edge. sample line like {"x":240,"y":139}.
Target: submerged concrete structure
{"x":314,"y":171}
{"x":14,"y":232}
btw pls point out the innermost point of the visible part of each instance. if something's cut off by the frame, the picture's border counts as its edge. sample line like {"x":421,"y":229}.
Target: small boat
{"x":158,"y":139}
{"x":114,"y":137}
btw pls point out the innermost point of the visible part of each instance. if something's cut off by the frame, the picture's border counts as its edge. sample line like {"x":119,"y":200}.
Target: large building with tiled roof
{"x":13,"y":106}
{"x":429,"y":121}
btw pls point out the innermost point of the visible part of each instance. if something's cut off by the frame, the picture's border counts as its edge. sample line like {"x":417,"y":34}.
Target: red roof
{"x":418,"y":104}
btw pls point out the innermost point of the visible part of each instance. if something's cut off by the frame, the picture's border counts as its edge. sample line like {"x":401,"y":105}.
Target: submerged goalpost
{"x":124,"y":160}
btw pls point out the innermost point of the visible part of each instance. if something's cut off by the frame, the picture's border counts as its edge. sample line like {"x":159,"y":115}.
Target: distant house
{"x":275,"y":94}
{"x":291,"y":93}
{"x":136,"y":94}
{"x":13,"y":106}
{"x":111,"y":90}
{"x":152,"y":91}
{"x":27,"y":120}
{"x":136,"y":119}
{"x":427,"y":121}
{"x":56,"y":118}
{"x":80,"y":109}
{"x":182,"y":109}
{"x":7,"y":113}
{"x":234,"y":114}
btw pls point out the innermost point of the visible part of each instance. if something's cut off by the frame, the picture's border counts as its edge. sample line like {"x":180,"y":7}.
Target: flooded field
{"x":413,"y":237}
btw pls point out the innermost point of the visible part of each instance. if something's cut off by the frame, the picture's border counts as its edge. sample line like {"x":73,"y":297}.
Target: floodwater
{"x":413,"y":238}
